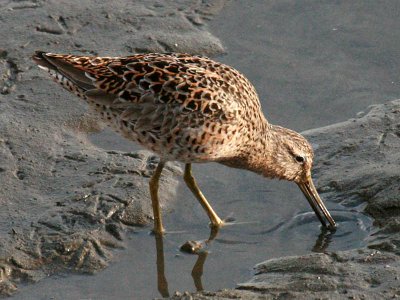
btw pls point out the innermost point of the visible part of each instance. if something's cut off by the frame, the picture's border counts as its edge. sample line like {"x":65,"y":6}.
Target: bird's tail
{"x":64,"y":73}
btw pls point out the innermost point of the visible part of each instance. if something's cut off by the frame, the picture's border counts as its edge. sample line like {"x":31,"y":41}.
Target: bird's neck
{"x":259,"y":154}
{"x":262,"y":156}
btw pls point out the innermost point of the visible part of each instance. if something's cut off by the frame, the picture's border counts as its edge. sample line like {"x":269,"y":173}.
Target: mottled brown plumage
{"x":190,"y":109}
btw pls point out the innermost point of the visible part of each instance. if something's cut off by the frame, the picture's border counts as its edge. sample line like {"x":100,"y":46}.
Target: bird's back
{"x":183,"y":107}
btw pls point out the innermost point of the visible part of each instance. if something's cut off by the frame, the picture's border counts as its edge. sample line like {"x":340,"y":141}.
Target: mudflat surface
{"x":74,"y":196}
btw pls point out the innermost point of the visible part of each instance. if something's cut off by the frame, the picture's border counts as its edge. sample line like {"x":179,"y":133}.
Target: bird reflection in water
{"x":198,"y":248}
{"x":323,"y":241}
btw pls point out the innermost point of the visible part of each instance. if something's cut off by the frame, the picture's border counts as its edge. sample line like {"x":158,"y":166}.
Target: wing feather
{"x":154,"y":90}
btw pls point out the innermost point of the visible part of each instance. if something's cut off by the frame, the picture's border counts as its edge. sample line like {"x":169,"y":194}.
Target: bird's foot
{"x":222,"y":222}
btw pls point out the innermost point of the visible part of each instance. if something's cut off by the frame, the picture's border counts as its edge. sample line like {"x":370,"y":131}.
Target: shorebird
{"x":190,"y":109}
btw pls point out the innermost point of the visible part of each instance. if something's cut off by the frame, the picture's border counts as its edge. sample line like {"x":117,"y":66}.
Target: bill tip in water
{"x":331,"y":226}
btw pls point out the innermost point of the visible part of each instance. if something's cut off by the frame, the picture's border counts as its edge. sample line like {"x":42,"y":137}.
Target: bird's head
{"x":292,"y":155}
{"x":292,"y":160}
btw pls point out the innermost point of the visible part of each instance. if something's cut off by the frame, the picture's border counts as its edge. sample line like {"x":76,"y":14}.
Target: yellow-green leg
{"x":158,"y":227}
{"x":161,"y":278}
{"x":191,"y":183}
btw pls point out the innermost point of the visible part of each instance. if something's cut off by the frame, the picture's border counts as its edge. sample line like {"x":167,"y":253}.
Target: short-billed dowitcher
{"x":189,"y":109}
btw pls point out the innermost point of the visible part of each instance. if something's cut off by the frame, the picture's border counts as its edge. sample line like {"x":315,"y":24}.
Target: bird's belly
{"x":184,"y":145}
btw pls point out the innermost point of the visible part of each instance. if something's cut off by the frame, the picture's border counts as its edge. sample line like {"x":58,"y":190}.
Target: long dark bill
{"x":316,"y":203}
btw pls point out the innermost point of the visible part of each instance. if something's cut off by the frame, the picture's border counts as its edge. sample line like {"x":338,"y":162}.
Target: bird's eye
{"x":299,"y":159}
